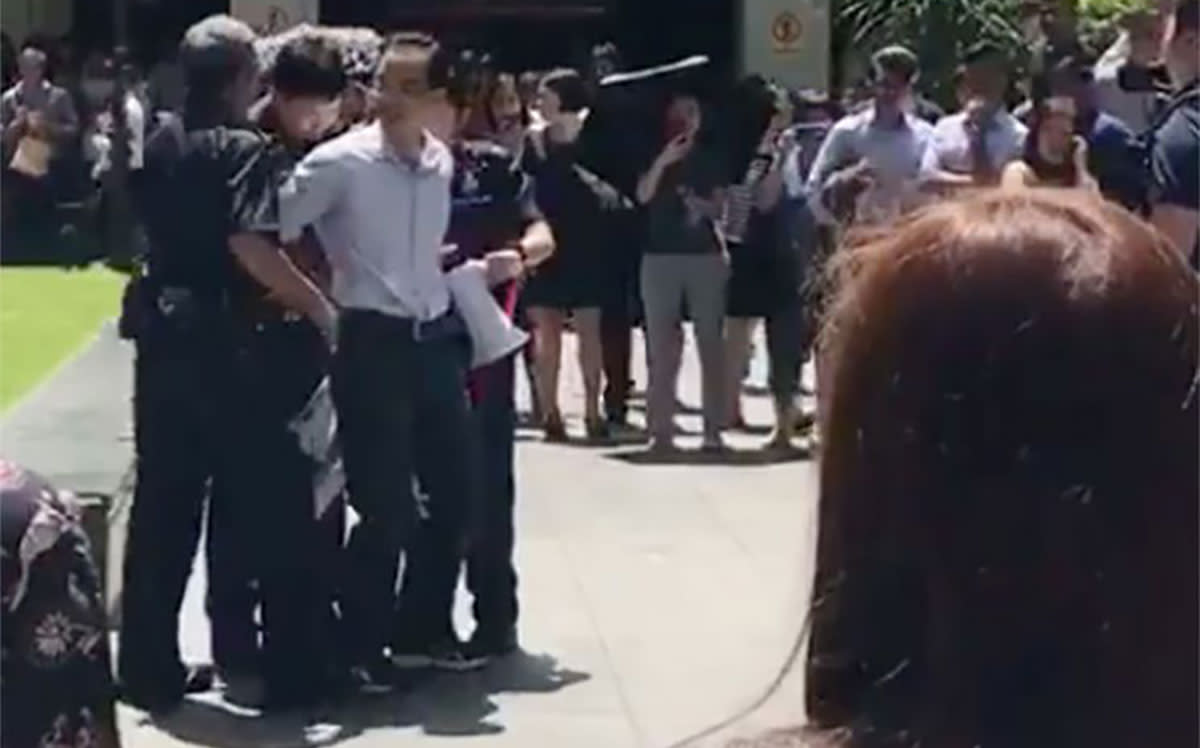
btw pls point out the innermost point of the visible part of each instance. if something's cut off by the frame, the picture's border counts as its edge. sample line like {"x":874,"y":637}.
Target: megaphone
{"x":493,"y":335}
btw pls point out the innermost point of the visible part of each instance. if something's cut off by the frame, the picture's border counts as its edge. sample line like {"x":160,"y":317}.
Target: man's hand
{"x":325,"y":317}
{"x":853,"y":179}
{"x":502,"y":266}
{"x":36,"y":124}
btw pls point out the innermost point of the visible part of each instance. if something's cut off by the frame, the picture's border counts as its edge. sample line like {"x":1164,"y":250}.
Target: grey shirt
{"x":673,"y":227}
{"x":53,"y":102}
{"x":380,"y":217}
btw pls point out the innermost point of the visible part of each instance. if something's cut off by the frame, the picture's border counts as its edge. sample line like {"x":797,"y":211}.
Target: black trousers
{"x":402,"y":404}
{"x":616,"y":345}
{"x":280,"y":365}
{"x":212,"y":411}
{"x":426,"y":609}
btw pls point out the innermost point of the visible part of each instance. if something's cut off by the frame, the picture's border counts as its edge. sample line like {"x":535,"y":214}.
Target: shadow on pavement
{"x":462,"y":705}
{"x":439,"y":704}
{"x":698,"y":457}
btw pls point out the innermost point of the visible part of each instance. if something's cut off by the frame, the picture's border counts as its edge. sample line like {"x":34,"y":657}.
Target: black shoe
{"x":492,"y":647}
{"x":196,"y":679}
{"x":447,"y":655}
{"x":598,"y":430}
{"x":555,"y":430}
{"x":371,"y":678}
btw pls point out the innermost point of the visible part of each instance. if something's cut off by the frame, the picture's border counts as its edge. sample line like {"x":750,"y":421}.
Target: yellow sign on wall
{"x":787,"y":40}
{"x":787,"y":32}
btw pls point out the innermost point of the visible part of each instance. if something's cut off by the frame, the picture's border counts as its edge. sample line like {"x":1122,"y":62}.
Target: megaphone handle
{"x":510,"y":298}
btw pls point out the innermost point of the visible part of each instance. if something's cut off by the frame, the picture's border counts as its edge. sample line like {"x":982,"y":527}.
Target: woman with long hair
{"x":574,"y":201}
{"x":758,"y":280}
{"x":1054,"y":155}
{"x":998,"y":562}
{"x":1007,"y":530}
{"x":684,"y":265}
{"x":505,"y":115}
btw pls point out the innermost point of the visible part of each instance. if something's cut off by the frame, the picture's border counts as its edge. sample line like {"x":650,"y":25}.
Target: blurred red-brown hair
{"x":1007,"y":548}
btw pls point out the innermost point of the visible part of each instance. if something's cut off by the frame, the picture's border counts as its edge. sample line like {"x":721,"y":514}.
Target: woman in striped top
{"x":749,"y":227}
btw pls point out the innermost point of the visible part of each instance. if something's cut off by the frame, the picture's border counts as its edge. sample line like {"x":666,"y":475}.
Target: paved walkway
{"x":657,"y":601}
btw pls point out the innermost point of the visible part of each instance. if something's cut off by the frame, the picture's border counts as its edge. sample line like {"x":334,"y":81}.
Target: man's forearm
{"x":271,"y":267}
{"x":942,"y":179}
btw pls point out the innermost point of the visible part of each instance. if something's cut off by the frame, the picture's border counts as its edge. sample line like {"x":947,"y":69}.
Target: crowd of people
{"x":308,"y":225}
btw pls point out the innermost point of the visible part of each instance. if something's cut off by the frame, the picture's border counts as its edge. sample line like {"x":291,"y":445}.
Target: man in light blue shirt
{"x":973,"y":146}
{"x":867,"y":168}
{"x":378,"y":198}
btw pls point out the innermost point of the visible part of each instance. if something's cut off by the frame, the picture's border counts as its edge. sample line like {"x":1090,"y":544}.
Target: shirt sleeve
{"x":254,"y":202}
{"x":8,"y":108}
{"x":833,"y":154}
{"x":63,"y":109}
{"x":1173,"y":164}
{"x":931,"y":159}
{"x":310,"y":192}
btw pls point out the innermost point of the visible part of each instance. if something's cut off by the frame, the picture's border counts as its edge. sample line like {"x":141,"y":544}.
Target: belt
{"x":446,"y":325}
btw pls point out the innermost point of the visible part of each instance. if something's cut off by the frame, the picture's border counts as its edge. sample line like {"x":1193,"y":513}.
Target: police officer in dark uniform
{"x":288,"y":360}
{"x":493,"y":220}
{"x":1174,"y":152}
{"x":205,"y":203}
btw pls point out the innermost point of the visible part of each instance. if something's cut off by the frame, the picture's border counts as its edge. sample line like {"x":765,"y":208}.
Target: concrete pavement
{"x":657,"y":600}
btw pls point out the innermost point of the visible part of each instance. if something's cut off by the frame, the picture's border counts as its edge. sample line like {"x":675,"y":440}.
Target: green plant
{"x":938,"y":31}
{"x":1099,"y":20}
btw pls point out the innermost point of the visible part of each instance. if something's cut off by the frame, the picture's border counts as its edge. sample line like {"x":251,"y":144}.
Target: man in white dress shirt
{"x":378,"y":198}
{"x":869,"y":164}
{"x":973,"y":146}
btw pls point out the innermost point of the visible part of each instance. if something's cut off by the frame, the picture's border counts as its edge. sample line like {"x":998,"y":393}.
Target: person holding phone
{"x":685,"y":263}
{"x":1054,"y":155}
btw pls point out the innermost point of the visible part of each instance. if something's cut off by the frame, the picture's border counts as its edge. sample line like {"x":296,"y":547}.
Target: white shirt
{"x":381,"y":219}
{"x":894,"y":154}
{"x":950,"y":149}
{"x":98,"y":145}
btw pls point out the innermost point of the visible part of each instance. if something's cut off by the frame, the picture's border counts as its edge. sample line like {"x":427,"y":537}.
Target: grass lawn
{"x":46,"y":314}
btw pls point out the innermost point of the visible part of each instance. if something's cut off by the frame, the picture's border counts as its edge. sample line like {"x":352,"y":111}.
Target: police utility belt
{"x":149,"y":307}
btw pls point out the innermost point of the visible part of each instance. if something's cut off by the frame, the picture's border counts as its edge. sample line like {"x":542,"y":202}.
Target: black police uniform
{"x":210,"y":409}
{"x":1174,"y":156}
{"x":492,"y":204}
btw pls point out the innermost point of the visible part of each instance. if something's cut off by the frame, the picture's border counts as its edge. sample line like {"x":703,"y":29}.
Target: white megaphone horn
{"x":493,"y":335}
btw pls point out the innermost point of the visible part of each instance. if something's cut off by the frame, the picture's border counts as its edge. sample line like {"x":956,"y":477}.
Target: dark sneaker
{"x":492,"y":647}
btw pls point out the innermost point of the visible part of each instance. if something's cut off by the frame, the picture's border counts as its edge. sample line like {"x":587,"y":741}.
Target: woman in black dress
{"x":752,"y":233}
{"x":575,"y":202}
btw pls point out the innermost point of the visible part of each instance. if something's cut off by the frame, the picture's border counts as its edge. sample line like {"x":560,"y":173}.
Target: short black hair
{"x":1187,"y":15}
{"x":568,"y":85}
{"x":441,"y":62}
{"x":214,"y":52}
{"x":309,"y":65}
{"x":896,"y":59}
